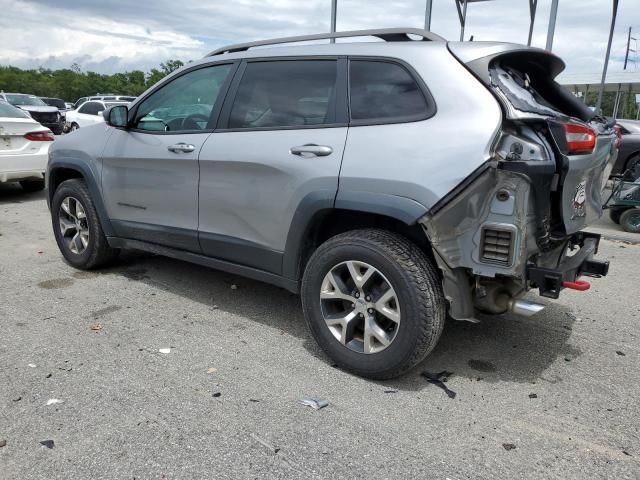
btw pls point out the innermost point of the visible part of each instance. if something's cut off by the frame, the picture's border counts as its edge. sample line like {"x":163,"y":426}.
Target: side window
{"x":287,"y":93}
{"x":87,"y":108}
{"x":384,"y":91}
{"x":185,"y":103}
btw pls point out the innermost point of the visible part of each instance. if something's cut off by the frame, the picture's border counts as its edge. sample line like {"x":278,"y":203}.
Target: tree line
{"x":72,"y":83}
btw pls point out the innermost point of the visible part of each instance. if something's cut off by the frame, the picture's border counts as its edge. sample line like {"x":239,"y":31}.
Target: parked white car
{"x":89,"y":113}
{"x":24,"y":148}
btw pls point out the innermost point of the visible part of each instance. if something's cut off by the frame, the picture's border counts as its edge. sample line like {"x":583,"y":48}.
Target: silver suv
{"x":391,"y":184}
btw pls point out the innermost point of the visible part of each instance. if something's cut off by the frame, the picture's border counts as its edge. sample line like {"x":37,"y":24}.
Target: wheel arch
{"x":60,"y":171}
{"x":320,"y":217}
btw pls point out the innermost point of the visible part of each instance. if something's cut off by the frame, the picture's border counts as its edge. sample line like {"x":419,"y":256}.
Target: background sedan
{"x":24,"y":147}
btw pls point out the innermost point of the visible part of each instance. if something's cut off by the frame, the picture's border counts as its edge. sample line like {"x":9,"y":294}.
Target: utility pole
{"x":427,"y":15}
{"x":606,"y":58}
{"x":334,"y":11}
{"x":626,"y":55}
{"x":552,"y":24}
{"x":533,"y":5}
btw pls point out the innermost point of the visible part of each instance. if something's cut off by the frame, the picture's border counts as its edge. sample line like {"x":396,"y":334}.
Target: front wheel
{"x":77,"y":228}
{"x":630,"y":220}
{"x":373,"y":301}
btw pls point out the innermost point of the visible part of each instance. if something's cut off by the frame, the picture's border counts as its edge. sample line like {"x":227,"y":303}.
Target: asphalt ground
{"x":551,"y":396}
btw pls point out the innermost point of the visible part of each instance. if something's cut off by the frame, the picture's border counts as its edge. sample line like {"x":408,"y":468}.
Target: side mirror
{"x":117,"y":116}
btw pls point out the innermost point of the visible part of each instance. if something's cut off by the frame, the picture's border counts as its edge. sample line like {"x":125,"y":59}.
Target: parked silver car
{"x":390,"y":183}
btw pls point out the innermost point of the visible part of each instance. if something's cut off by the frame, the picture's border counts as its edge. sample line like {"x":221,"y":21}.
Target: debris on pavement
{"x":48,"y":443}
{"x":164,"y":350}
{"x":264,"y":443}
{"x":438,"y":380}
{"x":618,"y":352}
{"x":216,"y":394}
{"x":508,"y":446}
{"x":96,"y":327}
{"x":315,"y":403}
{"x":17,"y":399}
{"x":31,"y":365}
{"x":53,"y":401}
{"x":234,"y":287}
{"x":623,"y":451}
{"x":48,"y":375}
{"x":533,"y":395}
{"x":3,"y":443}
{"x":391,"y":390}
{"x":254,"y":400}
{"x":212,"y":370}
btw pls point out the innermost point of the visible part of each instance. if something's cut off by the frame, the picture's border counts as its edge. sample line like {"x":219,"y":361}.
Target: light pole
{"x":427,"y":15}
{"x":606,"y":57}
{"x":533,"y":5}
{"x":552,"y":24}
{"x":334,"y":11}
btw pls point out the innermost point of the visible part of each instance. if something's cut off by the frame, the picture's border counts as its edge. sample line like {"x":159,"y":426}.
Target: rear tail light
{"x":580,"y":139}
{"x":46,"y":136}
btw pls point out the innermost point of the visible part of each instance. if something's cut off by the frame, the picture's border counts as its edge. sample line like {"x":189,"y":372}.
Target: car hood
{"x":37,"y":108}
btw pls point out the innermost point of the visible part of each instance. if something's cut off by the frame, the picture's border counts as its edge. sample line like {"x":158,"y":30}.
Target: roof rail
{"x":387,"y":34}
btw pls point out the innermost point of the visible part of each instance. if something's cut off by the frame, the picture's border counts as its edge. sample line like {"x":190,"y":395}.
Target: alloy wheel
{"x":74,"y":226}
{"x":360,"y":307}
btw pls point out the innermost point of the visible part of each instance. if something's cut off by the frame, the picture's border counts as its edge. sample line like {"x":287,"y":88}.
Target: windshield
{"x":55,"y":102}
{"x":9,"y":111}
{"x":19,"y":99}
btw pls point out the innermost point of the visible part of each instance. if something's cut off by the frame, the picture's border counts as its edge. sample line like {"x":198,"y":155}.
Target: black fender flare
{"x":315,"y":204}
{"x":87,"y":175}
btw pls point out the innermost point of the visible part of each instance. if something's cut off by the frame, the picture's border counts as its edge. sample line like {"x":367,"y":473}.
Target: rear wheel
{"x":373,"y":302}
{"x":614,"y":214}
{"x":633,"y":168}
{"x":77,"y":228}
{"x":630,"y":220}
{"x":32,"y":185}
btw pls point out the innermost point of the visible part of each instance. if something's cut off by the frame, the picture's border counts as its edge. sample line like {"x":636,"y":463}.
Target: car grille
{"x":496,"y":246}
{"x":45,"y":117}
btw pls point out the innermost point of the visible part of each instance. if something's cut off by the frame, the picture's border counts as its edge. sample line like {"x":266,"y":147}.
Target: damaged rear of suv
{"x":388,"y":183}
{"x":515,"y":223}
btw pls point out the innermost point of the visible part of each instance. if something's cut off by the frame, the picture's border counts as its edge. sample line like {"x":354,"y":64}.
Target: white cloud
{"x":116,"y":35}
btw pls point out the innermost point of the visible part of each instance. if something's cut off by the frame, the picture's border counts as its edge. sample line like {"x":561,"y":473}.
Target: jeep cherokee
{"x":389,"y":183}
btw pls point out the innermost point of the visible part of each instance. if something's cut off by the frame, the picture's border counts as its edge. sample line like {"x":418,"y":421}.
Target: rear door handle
{"x":311,"y":149}
{"x":181,"y":148}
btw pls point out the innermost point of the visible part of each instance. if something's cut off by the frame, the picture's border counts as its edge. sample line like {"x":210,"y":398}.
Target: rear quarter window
{"x":385,"y":92}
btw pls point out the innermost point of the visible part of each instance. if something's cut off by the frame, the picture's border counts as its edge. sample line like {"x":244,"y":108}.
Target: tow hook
{"x":579,"y":285}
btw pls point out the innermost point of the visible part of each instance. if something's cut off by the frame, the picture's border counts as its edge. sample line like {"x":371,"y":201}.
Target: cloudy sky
{"x":116,"y":35}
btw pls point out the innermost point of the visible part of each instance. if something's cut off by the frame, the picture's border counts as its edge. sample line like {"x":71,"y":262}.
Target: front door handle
{"x":181,"y":148}
{"x":311,"y":149}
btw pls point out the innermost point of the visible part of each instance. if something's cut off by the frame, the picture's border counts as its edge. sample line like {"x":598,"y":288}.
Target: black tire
{"x":630,"y":220}
{"x":32,"y":185}
{"x":411,"y":274}
{"x":97,"y":251}
{"x":614,"y":214}
{"x":633,"y":168}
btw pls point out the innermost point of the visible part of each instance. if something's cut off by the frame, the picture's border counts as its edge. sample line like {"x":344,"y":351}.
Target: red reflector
{"x":45,"y":136}
{"x":580,"y":139}
{"x":579,"y":285}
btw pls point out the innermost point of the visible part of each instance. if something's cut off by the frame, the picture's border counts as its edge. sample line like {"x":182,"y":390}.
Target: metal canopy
{"x":386,"y":34}
{"x":461,"y":6}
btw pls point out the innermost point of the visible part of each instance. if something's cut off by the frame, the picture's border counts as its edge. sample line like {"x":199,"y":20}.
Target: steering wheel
{"x":190,"y":122}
